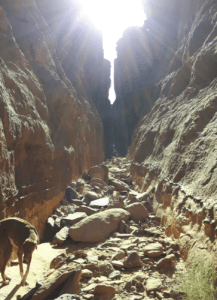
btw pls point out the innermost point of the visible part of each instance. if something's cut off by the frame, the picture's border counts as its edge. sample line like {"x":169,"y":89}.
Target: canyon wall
{"x":50,"y":129}
{"x":174,"y":145}
{"x":144,"y":55}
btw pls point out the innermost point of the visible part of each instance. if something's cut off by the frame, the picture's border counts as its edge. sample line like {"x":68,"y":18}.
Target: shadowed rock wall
{"x":80,"y":50}
{"x":174,"y":145}
{"x":50,"y":130}
{"x":144,"y":55}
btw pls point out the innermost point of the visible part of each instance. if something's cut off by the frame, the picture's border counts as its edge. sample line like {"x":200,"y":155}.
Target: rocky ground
{"x":103,"y":242}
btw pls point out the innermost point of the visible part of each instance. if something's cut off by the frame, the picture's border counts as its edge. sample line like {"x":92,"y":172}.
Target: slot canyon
{"x":149,"y":159}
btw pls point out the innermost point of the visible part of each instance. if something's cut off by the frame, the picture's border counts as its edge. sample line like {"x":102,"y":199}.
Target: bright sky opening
{"x":112,"y":17}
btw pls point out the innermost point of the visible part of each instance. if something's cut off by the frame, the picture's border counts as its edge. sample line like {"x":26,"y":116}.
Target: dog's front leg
{"x":20,"y":254}
{"x":23,"y":281}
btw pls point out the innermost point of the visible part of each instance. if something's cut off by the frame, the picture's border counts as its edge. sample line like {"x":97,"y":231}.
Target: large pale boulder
{"x":99,"y":226}
{"x":137,"y":211}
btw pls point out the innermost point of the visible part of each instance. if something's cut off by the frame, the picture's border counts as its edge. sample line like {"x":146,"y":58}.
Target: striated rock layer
{"x":144,"y":55}
{"x":174,"y":145}
{"x":50,"y":130}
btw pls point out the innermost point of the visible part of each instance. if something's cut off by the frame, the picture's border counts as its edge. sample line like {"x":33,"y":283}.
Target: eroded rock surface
{"x":50,"y":130}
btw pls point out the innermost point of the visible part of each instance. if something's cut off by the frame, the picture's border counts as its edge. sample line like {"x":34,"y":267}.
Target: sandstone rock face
{"x":178,"y":126}
{"x":98,"y":226}
{"x":173,"y":146}
{"x":87,"y":70}
{"x":50,"y":130}
{"x":143,"y":59}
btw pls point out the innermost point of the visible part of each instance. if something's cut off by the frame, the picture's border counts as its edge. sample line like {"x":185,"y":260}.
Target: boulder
{"x":86,"y":273}
{"x":100,"y":172}
{"x":104,"y":289}
{"x":80,"y":185}
{"x":153,"y":250}
{"x":72,"y":219}
{"x":119,"y":185}
{"x":122,"y":225}
{"x":105,"y":268}
{"x":73,"y":184}
{"x":91,"y":195}
{"x":72,"y":284}
{"x":68,"y":297}
{"x":117,"y":264}
{"x":53,"y":281}
{"x":58,"y":261}
{"x":138,"y":213}
{"x":70,"y":194}
{"x":115,"y":275}
{"x":50,"y":230}
{"x":99,"y":226}
{"x":100,"y":203}
{"x":167,"y":263}
{"x":94,"y":181}
{"x":61,"y":236}
{"x":120,"y":254}
{"x":78,"y":202}
{"x":153,"y":285}
{"x":133,"y":261}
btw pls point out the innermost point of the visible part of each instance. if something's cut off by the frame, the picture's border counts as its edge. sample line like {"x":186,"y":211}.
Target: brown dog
{"x":20,"y":235}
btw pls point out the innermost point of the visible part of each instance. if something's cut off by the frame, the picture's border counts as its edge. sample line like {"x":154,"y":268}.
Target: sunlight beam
{"x":112,"y":18}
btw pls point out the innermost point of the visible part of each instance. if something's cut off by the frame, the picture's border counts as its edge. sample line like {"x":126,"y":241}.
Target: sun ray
{"x":112,"y":18}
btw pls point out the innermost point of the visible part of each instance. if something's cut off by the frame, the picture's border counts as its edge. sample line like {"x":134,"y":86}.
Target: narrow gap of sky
{"x":112,"y":17}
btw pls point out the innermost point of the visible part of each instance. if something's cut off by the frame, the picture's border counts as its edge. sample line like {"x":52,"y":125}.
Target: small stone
{"x":137,"y":212}
{"x":80,"y":185}
{"x":72,"y":219}
{"x":91,"y":195}
{"x":86,"y":273}
{"x":120,"y":254}
{"x":117,"y":264}
{"x":104,"y":289}
{"x":88,"y":210}
{"x":133,"y":261}
{"x":105,"y":268}
{"x":115,"y":275}
{"x":100,"y":203}
{"x":58,"y":261}
{"x":70,"y":194}
{"x":153,"y":250}
{"x":88,"y":296}
{"x":153,"y":285}
{"x":167,"y":263}
{"x":61,"y":236}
